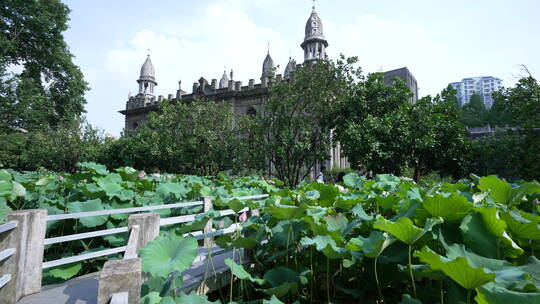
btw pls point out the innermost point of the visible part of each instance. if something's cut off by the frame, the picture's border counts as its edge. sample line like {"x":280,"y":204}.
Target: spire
{"x":224,"y":82}
{"x":268,"y":64}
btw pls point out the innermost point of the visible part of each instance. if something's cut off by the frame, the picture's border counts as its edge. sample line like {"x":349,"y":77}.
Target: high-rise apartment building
{"x":483,"y":86}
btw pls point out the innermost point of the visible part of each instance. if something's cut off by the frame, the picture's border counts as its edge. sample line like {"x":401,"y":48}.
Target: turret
{"x":147,"y":79}
{"x":314,"y":44}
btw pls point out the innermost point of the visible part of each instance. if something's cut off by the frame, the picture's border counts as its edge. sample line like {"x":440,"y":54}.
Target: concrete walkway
{"x":84,"y":289}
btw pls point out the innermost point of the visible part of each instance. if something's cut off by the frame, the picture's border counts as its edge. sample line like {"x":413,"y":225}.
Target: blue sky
{"x":439,"y":41}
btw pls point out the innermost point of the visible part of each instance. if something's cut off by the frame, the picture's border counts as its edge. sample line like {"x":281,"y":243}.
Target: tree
{"x":474,"y":112}
{"x":298,"y":117}
{"x":383,"y":132}
{"x":54,"y":149}
{"x":201,"y":138}
{"x":372,"y":125}
{"x":49,"y":91}
{"x":499,"y":114}
{"x":523,"y":101}
{"x":437,"y":141}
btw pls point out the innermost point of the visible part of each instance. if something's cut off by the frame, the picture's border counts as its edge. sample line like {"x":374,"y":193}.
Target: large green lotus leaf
{"x":273,"y":300}
{"x":167,"y":254}
{"x":336,"y":222}
{"x":194,"y":298}
{"x":4,"y":210}
{"x":312,"y":195}
{"x":328,"y":193}
{"x":404,"y":229}
{"x":67,"y":271}
{"x":407,"y":299}
{"x":495,"y":294}
{"x":353,"y":180}
{"x":371,"y":246}
{"x":324,"y":243}
{"x":199,"y":222}
{"x":151,"y":298}
{"x":499,"y":189}
{"x":458,"y":250}
{"x":452,"y":208}
{"x":359,"y":212}
{"x":5,"y":189}
{"x":5,"y":175}
{"x":17,"y":190}
{"x":282,"y":289}
{"x":387,"y":202}
{"x":93,"y":167}
{"x":279,"y":275}
{"x":236,"y":205}
{"x":497,"y":226}
{"x":519,"y":193}
{"x":477,"y":237}
{"x":91,"y":205}
{"x":459,"y":269}
{"x":178,"y":190}
{"x":286,"y":211}
{"x":241,"y":273}
{"x":520,"y":226}
{"x":286,"y":232}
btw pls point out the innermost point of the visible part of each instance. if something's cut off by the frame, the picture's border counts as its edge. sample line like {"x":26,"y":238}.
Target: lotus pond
{"x":381,"y":240}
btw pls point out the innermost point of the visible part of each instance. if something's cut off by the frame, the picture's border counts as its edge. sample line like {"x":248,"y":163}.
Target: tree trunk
{"x":416,"y":175}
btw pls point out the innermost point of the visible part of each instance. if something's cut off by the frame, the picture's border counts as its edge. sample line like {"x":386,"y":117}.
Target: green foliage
{"x":380,"y":129}
{"x":511,"y":155}
{"x":455,"y":238}
{"x":173,"y":138}
{"x":166,"y":255}
{"x":49,"y":91}
{"x":297,"y":119}
{"x":523,"y":101}
{"x":94,"y":188}
{"x":474,"y":112}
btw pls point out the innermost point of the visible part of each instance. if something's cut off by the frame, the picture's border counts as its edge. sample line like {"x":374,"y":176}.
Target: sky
{"x":439,"y":41}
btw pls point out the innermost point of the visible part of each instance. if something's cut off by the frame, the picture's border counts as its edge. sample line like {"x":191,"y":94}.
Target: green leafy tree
{"x":523,"y":101}
{"x":49,"y":90}
{"x":54,"y":149}
{"x":297,"y":119}
{"x":499,"y":114}
{"x":200,"y":138}
{"x":437,"y":140}
{"x":474,"y":112}
{"x":372,"y":125}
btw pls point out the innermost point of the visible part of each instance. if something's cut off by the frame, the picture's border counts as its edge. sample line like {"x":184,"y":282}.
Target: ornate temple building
{"x":245,"y":99}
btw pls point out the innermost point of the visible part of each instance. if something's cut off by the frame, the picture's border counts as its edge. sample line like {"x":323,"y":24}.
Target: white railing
{"x":27,"y":236}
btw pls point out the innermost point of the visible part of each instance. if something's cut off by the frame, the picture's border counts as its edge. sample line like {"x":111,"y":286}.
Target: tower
{"x":147,"y":79}
{"x":314,"y":44}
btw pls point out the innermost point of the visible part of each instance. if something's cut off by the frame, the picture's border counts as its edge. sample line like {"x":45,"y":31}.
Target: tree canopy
{"x":49,"y":89}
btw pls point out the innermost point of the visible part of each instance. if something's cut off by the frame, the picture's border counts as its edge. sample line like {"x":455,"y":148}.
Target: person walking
{"x":320,"y":177}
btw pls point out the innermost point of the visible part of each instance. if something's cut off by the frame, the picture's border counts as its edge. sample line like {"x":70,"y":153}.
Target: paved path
{"x":84,"y":289}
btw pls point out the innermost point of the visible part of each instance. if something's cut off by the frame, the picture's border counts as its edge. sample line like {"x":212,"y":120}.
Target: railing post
{"x":207,"y":203}
{"x":120,"y":276}
{"x":29,"y":237}
{"x":9,"y":266}
{"x":148,"y":227}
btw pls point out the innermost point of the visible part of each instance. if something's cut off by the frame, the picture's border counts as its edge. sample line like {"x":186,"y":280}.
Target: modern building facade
{"x":483,"y":86}
{"x":407,"y":76}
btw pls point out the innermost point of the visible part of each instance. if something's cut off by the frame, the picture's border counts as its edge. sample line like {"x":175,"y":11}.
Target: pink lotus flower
{"x":243,"y":217}
{"x":61,"y":178}
{"x":157,"y":175}
{"x":142,"y":174}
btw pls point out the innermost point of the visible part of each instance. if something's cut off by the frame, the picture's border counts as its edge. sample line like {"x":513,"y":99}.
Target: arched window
{"x":252,"y":111}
